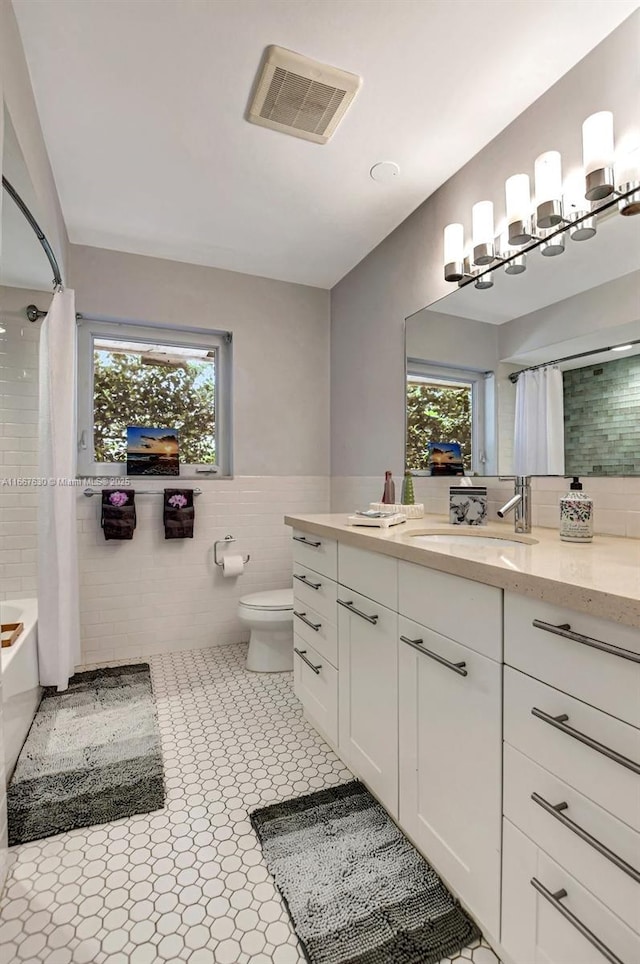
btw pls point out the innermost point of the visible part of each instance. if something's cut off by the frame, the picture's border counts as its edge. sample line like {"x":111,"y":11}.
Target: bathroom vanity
{"x":488,"y":694}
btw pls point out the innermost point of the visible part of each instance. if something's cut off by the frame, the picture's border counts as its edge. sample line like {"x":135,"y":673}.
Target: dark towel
{"x":179,"y":513}
{"x":118,"y":513}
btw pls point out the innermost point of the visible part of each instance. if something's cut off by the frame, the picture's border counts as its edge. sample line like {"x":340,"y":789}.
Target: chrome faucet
{"x":520,"y":502}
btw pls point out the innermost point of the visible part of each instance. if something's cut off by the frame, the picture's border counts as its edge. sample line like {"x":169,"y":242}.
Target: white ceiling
{"x":142,"y":104}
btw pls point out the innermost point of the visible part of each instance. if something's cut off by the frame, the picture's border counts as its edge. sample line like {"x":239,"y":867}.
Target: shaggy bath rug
{"x":93,"y":754}
{"x":356,"y":890}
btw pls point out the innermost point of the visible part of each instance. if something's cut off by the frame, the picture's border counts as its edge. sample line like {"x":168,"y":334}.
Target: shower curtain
{"x":58,"y":595}
{"x":539,"y":423}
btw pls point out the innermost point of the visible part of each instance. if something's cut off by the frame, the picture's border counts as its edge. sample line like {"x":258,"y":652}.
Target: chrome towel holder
{"x":89,"y":492}
{"x":225,"y":542}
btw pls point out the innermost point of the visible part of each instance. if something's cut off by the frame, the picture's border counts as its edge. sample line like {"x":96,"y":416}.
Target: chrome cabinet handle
{"x":307,"y":542}
{"x":560,"y":723}
{"x":307,"y":581}
{"x":303,"y":617}
{"x":458,"y":668}
{"x":554,"y":900}
{"x":556,"y":810}
{"x":564,"y":629}
{"x":302,"y":654}
{"x":352,"y":609}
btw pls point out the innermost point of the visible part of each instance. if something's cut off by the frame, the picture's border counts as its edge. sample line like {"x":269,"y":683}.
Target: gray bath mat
{"x":356,"y":890}
{"x":93,"y":754}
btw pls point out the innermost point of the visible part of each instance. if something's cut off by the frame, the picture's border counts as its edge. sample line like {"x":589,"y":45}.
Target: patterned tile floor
{"x":186,"y":883}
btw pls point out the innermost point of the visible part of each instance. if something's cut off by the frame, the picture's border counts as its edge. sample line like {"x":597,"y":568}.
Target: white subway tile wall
{"x":616,"y":501}
{"x":151,"y":595}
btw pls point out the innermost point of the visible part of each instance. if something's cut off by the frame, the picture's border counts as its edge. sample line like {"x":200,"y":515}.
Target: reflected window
{"x":444,"y":406}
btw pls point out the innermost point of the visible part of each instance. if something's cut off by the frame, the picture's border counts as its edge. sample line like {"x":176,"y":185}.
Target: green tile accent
{"x":602,"y":418}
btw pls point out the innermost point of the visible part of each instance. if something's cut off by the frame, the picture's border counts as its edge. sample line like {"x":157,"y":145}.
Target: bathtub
{"x":21,"y":690}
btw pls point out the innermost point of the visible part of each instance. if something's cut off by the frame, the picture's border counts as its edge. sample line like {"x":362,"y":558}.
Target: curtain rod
{"x":513,"y":377}
{"x":48,"y":250}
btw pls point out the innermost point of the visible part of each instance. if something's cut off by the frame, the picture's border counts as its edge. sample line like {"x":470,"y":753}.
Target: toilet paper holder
{"x":225,"y":542}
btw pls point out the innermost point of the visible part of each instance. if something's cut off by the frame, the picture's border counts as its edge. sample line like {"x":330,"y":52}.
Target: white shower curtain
{"x":58,"y":595}
{"x":539,"y":423}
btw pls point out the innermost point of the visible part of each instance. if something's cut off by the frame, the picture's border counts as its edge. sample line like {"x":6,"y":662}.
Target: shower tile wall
{"x":602,"y":418}
{"x":18,"y":454}
{"x":155,"y":596}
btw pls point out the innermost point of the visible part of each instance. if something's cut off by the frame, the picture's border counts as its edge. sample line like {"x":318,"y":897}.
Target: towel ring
{"x":225,"y":542}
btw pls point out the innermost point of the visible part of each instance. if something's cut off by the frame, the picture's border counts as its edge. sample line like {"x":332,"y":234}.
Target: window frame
{"x":477,"y":380}
{"x":90,"y":329}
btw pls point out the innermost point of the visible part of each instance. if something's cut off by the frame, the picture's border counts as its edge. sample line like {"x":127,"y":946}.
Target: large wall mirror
{"x":573,"y":319}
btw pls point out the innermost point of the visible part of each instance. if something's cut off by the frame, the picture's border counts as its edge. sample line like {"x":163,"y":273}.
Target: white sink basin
{"x":469,"y":539}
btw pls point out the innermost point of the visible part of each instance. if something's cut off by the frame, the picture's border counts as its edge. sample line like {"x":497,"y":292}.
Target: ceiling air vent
{"x":301,"y":97}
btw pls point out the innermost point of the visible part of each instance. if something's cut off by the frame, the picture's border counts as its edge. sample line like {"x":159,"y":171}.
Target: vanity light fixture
{"x":628,"y":170}
{"x":622,"y":348}
{"x":597,"y":155}
{"x":559,"y":209}
{"x":548,"y":181}
{"x":454,"y":252}
{"x":482,"y":221}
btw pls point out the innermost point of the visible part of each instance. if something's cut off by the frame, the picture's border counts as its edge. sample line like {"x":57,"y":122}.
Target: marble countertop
{"x":601,"y":577}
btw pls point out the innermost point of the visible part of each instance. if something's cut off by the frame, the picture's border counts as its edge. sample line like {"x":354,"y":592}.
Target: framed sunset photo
{"x":152,"y":451}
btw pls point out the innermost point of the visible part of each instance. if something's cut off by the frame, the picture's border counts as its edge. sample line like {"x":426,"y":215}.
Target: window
{"x":445,"y":405}
{"x":154,"y":378}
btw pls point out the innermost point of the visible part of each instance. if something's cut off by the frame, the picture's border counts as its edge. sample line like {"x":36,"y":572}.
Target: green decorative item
{"x":408,"y":497}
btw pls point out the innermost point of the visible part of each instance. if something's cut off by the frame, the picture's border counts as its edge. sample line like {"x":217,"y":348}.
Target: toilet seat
{"x":274,"y":600}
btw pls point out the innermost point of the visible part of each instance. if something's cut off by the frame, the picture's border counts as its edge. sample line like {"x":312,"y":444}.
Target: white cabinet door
{"x":450,"y":763}
{"x":315,"y":683}
{"x":548,"y":917}
{"x":368,"y":697}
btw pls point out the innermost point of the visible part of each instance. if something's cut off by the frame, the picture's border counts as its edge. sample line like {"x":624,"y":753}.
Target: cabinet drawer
{"x":316,"y":552}
{"x":466,"y":611}
{"x":311,"y":589}
{"x":612,"y":783}
{"x":369,"y":574}
{"x":605,"y":678}
{"x":572,"y":834}
{"x":316,"y":629}
{"x":534,"y":928}
{"x":316,"y":688}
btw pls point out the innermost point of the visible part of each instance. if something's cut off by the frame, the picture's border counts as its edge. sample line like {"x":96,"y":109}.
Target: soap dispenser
{"x":576,"y":514}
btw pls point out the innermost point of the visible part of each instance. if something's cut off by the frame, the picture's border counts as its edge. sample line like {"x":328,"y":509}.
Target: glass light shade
{"x":518,"y":197}
{"x":628,"y":166}
{"x":453,"y":243}
{"x":573,"y":193}
{"x":548,"y":177}
{"x":482,"y":218}
{"x":597,"y":141}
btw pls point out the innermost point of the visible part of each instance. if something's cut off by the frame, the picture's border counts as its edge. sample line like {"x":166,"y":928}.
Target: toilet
{"x":269,"y":616}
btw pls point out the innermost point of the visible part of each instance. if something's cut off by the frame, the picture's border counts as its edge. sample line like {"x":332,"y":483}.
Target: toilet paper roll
{"x":232,"y":565}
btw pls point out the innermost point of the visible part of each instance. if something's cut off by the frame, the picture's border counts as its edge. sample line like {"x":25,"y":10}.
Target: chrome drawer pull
{"x":352,"y":609}
{"x":307,"y":542}
{"x":554,"y":900}
{"x":560,"y":723}
{"x":556,"y":810}
{"x":564,"y":629}
{"x":302,"y":654}
{"x":458,"y":668}
{"x":303,"y":617}
{"x":307,"y":581}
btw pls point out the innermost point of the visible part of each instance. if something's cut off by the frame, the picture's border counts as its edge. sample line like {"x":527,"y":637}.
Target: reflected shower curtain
{"x":539,"y":424}
{"x":58,"y":594}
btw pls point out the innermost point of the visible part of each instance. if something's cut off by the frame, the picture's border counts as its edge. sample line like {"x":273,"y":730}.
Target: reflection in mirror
{"x":23,"y":263}
{"x":579,"y":313}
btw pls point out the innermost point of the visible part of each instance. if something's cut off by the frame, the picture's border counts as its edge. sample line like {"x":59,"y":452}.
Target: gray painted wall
{"x":404,"y":273}
{"x":280,"y":346}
